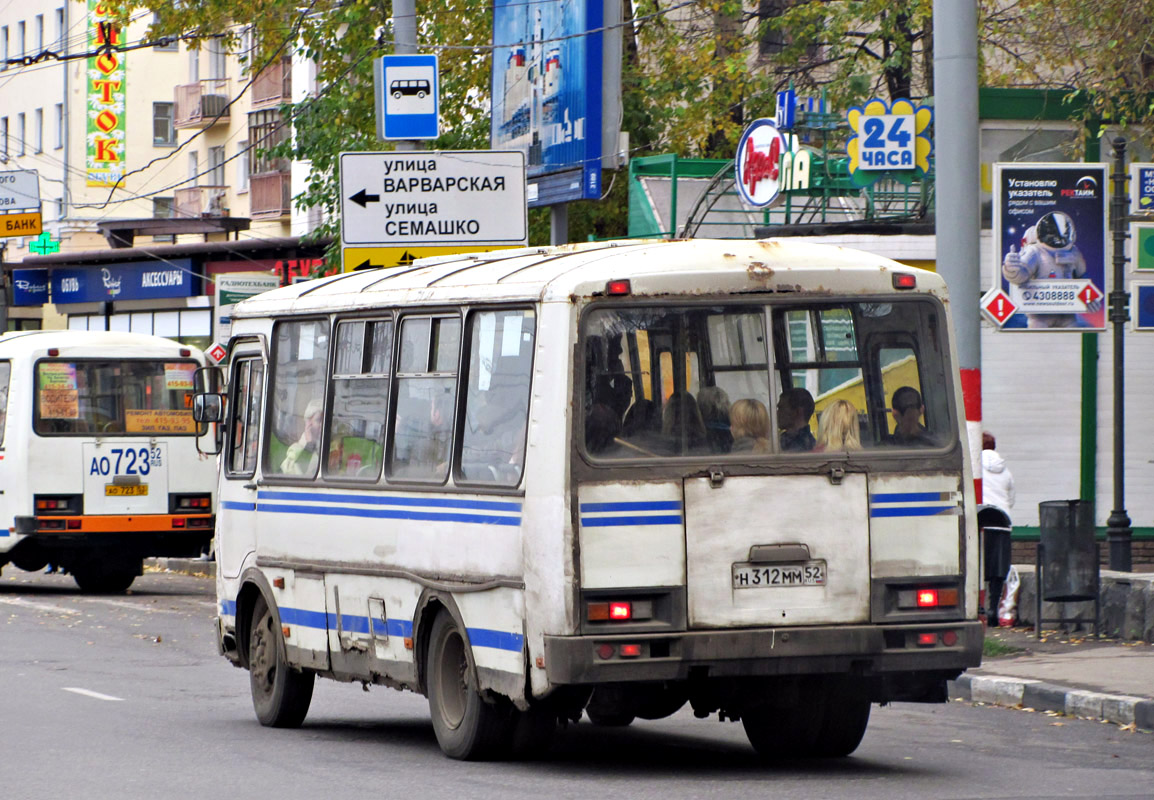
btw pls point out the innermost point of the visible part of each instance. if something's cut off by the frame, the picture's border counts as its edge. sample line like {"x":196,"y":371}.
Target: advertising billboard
{"x":547,"y":90}
{"x":1050,"y":245}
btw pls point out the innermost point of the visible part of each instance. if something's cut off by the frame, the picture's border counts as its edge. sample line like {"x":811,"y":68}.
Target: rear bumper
{"x":861,"y":649}
{"x":138,"y":536}
{"x":56,"y":526}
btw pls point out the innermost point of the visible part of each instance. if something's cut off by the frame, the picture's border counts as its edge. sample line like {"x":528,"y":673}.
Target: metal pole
{"x":405,"y":43}
{"x":956,"y":212}
{"x":1118,"y":531}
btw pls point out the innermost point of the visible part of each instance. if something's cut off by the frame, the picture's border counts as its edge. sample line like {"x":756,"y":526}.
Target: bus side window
{"x":426,"y":393}
{"x":295,"y":421}
{"x":5,"y":374}
{"x":244,"y":415}
{"x":361,"y":368}
{"x":497,"y":396}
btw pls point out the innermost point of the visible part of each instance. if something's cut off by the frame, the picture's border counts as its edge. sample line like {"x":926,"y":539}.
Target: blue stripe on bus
{"x":610,"y":522}
{"x":391,"y":500}
{"x":913,"y":511}
{"x":909,"y":497}
{"x":386,"y":513}
{"x":498,"y":640}
{"x":228,"y":608}
{"x":237,"y":506}
{"x":645,"y":505}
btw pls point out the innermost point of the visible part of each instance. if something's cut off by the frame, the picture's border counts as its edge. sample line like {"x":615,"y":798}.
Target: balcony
{"x":202,"y":104}
{"x":273,"y":85}
{"x":270,"y":195}
{"x":200,"y":201}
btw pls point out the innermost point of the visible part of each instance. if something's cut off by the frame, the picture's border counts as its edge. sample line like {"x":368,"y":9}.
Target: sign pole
{"x":1118,"y":531}
{"x":405,"y":43}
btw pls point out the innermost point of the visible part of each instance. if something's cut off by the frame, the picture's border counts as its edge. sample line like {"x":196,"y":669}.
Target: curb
{"x":184,"y":566}
{"x":1041,"y":696}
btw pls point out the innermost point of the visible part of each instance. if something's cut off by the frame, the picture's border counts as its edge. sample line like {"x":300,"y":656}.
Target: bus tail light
{"x":928,"y":597}
{"x":630,"y":651}
{"x":63,"y":504}
{"x":904,"y":280}
{"x":190,"y":503}
{"x":618,"y":610}
{"x":618,"y":288}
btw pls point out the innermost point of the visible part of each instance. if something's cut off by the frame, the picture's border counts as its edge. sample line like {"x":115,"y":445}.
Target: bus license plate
{"x":769,"y":576}
{"x":116,"y":490}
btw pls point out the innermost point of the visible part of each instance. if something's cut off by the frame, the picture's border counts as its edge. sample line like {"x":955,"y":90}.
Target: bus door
{"x":237,"y":522}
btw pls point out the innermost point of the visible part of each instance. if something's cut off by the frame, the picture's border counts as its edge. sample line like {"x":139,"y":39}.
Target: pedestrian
{"x":997,"y":481}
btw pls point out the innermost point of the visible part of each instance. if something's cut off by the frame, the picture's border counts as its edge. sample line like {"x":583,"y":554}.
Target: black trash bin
{"x":1067,"y":560}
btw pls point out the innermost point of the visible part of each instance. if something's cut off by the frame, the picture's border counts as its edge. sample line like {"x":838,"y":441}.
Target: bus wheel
{"x":106,"y":580}
{"x":280,"y":694}
{"x":467,"y":727}
{"x":608,"y":719}
{"x":847,"y":713}
{"x":778,"y":733}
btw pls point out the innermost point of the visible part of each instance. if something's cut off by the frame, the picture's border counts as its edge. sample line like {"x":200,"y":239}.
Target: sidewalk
{"x":1072,"y":674}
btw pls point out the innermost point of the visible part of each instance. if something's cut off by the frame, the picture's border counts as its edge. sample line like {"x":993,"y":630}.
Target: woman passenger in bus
{"x":682,"y":425}
{"x":714,"y":405}
{"x":749,"y":425}
{"x":838,"y":428}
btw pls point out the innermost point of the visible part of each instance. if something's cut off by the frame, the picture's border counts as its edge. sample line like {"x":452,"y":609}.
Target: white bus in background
{"x":99,"y":466}
{"x":526,"y":484}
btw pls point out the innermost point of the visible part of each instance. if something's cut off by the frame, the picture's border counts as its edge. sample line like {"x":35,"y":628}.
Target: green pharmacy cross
{"x":44,"y":244}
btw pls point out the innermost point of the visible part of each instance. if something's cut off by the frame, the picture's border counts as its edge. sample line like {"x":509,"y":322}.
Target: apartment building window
{"x":193,"y":65}
{"x":21,"y":133}
{"x":38,"y":34}
{"x":217,"y":59}
{"x":60,"y":43}
{"x":4,"y":139}
{"x":59,"y":126}
{"x":193,"y":169}
{"x":21,"y":39}
{"x":216,"y":166}
{"x":38,"y":130}
{"x":3,"y":48}
{"x":266,"y":129}
{"x":242,"y":154}
{"x":172,"y":45}
{"x":163,"y":208}
{"x":163,"y":131}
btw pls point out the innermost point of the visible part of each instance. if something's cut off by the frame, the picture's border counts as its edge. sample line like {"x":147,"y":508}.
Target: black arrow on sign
{"x":360,"y":198}
{"x":366,"y":265}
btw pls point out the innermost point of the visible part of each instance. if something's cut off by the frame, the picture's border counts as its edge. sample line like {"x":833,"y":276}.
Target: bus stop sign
{"x":407,"y":96}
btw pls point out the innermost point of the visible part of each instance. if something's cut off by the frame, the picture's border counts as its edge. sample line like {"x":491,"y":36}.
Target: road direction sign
{"x":407,"y":96}
{"x":998,"y":306}
{"x":465,"y":197}
{"x":375,"y":257}
{"x":24,"y":224}
{"x":19,"y":191}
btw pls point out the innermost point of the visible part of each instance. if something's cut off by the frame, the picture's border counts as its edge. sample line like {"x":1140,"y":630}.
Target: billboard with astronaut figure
{"x":1050,"y":241}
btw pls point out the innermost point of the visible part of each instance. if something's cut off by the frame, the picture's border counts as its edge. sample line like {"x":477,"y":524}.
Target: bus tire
{"x":467,"y":727}
{"x":280,"y":694}
{"x":847,"y":713}
{"x":778,"y":733}
{"x":106,"y":580}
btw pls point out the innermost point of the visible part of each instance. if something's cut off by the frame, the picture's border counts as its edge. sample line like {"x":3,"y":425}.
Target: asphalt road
{"x":125,"y":697}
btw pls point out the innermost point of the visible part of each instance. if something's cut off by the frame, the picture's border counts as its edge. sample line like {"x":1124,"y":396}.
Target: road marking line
{"x":19,"y":601}
{"x":90,"y":693}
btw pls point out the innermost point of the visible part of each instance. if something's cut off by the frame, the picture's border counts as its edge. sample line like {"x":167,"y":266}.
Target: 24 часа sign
{"x":1050,"y":240}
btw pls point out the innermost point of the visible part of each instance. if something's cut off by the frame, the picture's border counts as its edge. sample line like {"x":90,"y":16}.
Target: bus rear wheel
{"x":467,"y":727}
{"x":280,"y":694}
{"x":104,"y":580}
{"x":847,"y":713}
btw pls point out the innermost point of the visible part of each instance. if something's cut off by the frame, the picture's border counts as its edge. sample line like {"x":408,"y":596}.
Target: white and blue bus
{"x":99,"y":466}
{"x":539,"y":484}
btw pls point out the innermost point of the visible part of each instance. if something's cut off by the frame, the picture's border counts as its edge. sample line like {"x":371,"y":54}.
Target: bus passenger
{"x":838,"y":428}
{"x":301,"y":457}
{"x":601,"y":429}
{"x":909,"y":431}
{"x":681,"y":422}
{"x":794,"y":408}
{"x":714,"y":405}
{"x":749,"y":424}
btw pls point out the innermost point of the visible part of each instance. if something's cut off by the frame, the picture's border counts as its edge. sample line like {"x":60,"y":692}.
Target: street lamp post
{"x":1118,"y":532}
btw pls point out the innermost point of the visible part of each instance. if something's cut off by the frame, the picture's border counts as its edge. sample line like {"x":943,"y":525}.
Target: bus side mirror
{"x":208,"y":408}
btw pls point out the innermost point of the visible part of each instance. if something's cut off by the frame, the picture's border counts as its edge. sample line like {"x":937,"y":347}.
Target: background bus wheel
{"x":103,"y":580}
{"x":280,"y":694}
{"x":609,"y":719}
{"x":467,"y":727}
{"x":847,"y":713}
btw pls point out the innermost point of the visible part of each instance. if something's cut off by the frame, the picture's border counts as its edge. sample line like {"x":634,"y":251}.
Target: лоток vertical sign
{"x":105,"y":96}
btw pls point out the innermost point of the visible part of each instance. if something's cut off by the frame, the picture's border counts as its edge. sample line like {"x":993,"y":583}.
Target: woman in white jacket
{"x":997,"y":481}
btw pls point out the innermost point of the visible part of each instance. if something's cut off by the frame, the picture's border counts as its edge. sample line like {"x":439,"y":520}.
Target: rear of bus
{"x":725,"y":557}
{"x":111,"y":472}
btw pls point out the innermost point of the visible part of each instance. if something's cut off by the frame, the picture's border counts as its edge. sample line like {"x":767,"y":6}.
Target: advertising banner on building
{"x":231,"y":288}
{"x":105,"y":99}
{"x":148,"y":280}
{"x":29,"y":287}
{"x":547,"y":88}
{"x":1050,"y":246}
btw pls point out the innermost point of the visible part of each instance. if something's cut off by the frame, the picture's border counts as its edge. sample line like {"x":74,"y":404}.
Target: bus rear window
{"x":710,"y":381}
{"x":114,"y":398}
